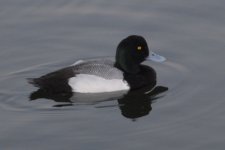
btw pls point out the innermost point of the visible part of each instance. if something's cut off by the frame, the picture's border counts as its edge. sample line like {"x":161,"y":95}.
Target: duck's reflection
{"x":137,"y":103}
{"x":133,"y":104}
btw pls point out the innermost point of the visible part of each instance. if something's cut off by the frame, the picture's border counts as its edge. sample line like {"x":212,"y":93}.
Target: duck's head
{"x":132,"y":51}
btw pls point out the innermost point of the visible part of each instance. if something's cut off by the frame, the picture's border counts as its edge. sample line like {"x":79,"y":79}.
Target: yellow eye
{"x":139,"y":48}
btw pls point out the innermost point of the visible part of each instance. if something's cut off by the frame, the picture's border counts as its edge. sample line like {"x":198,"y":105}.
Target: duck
{"x":125,"y":73}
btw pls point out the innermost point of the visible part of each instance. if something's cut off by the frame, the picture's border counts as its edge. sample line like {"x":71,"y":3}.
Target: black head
{"x":131,"y":51}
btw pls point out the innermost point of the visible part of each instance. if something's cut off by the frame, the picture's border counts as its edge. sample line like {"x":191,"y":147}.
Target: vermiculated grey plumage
{"x":103,"y":68}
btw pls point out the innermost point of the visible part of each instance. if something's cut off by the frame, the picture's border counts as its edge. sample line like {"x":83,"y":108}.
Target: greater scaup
{"x":105,"y":75}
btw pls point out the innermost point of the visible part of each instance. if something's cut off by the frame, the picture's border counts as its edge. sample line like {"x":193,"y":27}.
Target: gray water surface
{"x":37,"y":37}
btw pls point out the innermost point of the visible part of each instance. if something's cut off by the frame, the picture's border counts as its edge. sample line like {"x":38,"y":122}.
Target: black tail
{"x":33,"y":81}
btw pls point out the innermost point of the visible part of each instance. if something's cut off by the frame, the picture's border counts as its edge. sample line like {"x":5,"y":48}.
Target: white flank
{"x":84,"y":83}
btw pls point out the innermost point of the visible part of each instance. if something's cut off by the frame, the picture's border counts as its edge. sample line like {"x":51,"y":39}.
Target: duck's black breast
{"x":145,"y":77}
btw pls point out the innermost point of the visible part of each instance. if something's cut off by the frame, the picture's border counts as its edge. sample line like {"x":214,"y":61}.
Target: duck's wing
{"x":100,"y":67}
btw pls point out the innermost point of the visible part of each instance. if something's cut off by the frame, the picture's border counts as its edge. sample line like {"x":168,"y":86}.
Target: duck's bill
{"x":155,"y":57}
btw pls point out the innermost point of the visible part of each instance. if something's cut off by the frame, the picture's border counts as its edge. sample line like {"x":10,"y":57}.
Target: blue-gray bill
{"x":155,"y":57}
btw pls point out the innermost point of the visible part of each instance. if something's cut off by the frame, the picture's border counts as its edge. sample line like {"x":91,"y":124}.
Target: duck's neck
{"x":128,"y":67}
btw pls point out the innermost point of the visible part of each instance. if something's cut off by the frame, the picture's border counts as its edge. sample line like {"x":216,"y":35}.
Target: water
{"x":38,"y":37}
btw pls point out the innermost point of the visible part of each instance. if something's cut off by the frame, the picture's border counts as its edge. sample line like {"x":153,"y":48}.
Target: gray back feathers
{"x":100,"y":67}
